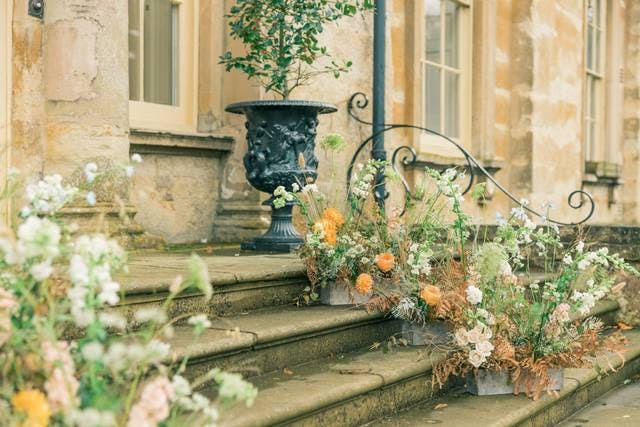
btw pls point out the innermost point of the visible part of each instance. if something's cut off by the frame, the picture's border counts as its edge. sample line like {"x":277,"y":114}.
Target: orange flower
{"x":385,"y":262}
{"x":328,"y":229}
{"x":430,"y":294}
{"x":34,"y":405}
{"x":364,"y":283}
{"x":333,"y":215}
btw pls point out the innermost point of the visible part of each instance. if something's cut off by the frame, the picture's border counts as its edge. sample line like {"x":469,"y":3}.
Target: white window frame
{"x":595,"y":152}
{"x":5,"y":102}
{"x":428,"y":143}
{"x":183,"y":117}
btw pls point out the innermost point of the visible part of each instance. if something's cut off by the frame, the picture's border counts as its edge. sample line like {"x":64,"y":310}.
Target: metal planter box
{"x":337,"y":294}
{"x":483,"y":382}
{"x":435,"y":332}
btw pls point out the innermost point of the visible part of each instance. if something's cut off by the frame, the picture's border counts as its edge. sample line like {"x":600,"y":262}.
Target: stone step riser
{"x":390,"y":398}
{"x":227,"y":300}
{"x":284,"y":354}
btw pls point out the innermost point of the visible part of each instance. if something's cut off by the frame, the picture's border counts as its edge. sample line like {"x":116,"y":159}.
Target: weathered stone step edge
{"x":154,"y":273}
{"x":404,"y":380}
{"x":582,"y":386}
{"x":273,"y":339}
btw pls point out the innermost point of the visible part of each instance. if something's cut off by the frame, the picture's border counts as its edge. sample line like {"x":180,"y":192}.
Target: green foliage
{"x":281,"y":38}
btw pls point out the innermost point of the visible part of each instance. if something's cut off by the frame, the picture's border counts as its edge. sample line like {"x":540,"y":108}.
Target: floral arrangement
{"x":67,"y":357}
{"x":370,"y":253}
{"x":429,"y":263}
{"x":499,"y":321}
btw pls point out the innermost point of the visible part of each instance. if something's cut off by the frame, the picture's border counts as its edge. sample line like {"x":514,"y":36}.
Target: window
{"x":594,"y":105}
{"x":445,"y":63}
{"x":162,"y":68}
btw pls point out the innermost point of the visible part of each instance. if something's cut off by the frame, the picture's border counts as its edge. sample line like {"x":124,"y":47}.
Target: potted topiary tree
{"x":282,"y":52}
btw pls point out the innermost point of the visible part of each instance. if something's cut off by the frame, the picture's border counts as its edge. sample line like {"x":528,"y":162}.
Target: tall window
{"x":594,"y":105}
{"x":445,"y":63}
{"x":162,"y":52}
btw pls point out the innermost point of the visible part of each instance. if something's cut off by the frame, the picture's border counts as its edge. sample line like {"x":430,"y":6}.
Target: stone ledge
{"x":149,"y":141}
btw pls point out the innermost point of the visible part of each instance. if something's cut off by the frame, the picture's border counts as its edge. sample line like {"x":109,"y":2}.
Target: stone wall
{"x":70,"y":104}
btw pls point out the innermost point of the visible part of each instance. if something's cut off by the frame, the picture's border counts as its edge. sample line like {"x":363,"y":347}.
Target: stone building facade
{"x":545,"y":93}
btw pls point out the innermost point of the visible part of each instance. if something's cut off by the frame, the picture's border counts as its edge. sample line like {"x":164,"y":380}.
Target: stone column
{"x":86,"y":93}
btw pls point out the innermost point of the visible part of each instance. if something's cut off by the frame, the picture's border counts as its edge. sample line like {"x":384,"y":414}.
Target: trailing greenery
{"x":281,"y":39}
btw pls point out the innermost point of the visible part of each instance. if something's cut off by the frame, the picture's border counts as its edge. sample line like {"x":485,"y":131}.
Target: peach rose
{"x":430,"y":294}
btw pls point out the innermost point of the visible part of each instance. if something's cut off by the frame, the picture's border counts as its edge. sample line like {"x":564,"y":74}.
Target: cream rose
{"x":462,"y":337}
{"x":485,"y":348}
{"x":476,"y":358}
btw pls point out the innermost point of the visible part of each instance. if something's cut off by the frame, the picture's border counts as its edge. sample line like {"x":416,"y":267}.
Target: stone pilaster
{"x":631,"y":113}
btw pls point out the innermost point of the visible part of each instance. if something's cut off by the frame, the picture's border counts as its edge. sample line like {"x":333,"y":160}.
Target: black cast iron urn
{"x":281,"y":138}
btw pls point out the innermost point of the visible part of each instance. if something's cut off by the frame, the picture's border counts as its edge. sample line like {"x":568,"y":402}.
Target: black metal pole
{"x":378,"y":151}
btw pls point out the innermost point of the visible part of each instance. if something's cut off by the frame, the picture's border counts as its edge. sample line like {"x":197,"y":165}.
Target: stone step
{"x":240,"y":283}
{"x":347,"y":389}
{"x":619,"y":407}
{"x":277,"y":338}
{"x":582,"y":386}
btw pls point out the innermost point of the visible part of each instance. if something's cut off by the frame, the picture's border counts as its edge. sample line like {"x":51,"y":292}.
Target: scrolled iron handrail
{"x":360,"y":101}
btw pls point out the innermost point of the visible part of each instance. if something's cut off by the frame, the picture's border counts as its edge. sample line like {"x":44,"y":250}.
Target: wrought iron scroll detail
{"x":577,"y":199}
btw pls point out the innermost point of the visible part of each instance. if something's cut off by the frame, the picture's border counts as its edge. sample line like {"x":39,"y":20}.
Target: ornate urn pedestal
{"x":281,"y":138}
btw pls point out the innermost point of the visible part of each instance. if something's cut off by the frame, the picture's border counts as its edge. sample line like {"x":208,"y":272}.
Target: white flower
{"x":91,"y":417}
{"x":41,"y":271}
{"x":474,"y":295}
{"x":78,"y":270}
{"x":310,"y":188}
{"x":295,"y":187}
{"x":90,"y":170}
{"x":91,"y":198}
{"x":151,"y":314}
{"x":109,"y":293}
{"x":567,"y":259}
{"x":48,"y":195}
{"x":484,"y":348}
{"x":199,"y":321}
{"x":93,"y":351}
{"x":129,"y":170}
{"x":39,"y":237}
{"x":580,"y":246}
{"x":136,"y":158}
{"x":113,"y":320}
{"x":476,"y":358}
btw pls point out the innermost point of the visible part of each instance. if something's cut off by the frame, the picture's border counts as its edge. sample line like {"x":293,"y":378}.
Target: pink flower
{"x":154,"y":404}
{"x":7,"y":301}
{"x":61,"y":385}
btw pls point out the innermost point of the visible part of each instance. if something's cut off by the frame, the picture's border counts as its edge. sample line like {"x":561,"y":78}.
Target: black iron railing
{"x":406,"y":156}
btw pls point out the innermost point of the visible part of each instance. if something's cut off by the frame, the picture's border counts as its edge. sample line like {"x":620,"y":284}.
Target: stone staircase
{"x":323,"y":366}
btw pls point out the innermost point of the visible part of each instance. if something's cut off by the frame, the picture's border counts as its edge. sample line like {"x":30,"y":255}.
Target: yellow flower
{"x":364,"y":283}
{"x":34,"y":405}
{"x":333,"y":215}
{"x":430,"y":294}
{"x":385,"y":262}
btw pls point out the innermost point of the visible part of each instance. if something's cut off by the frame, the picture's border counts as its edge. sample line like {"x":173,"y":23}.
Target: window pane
{"x":589,"y":47}
{"x":452,"y":31}
{"x":134,"y":50}
{"x":432,"y":30}
{"x":160,"y":52}
{"x":591,"y":142}
{"x":593,"y":98}
{"x":452,"y":104}
{"x":432,"y":98}
{"x":598,"y":41}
